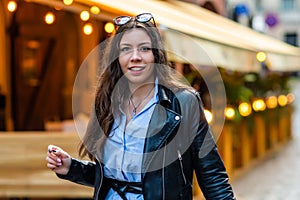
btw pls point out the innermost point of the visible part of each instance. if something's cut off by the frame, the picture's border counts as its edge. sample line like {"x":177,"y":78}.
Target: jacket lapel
{"x":162,"y":129}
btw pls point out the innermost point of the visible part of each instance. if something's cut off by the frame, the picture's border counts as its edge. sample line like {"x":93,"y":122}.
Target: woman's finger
{"x":54,"y":157}
{"x":52,"y":148}
{"x":56,"y":161}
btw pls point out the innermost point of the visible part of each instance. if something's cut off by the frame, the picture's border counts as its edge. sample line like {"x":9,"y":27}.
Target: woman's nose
{"x":135,"y":55}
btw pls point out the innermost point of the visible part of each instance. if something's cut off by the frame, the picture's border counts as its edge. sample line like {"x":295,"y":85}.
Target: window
{"x":288,"y":5}
{"x":258,"y":5}
{"x":291,"y":38}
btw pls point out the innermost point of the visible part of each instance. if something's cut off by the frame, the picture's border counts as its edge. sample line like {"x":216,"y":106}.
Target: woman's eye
{"x":125,"y":49}
{"x":145,"y":49}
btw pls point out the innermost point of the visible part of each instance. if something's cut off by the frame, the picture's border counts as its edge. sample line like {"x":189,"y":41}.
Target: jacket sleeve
{"x":209,"y":167}
{"x":81,"y":172}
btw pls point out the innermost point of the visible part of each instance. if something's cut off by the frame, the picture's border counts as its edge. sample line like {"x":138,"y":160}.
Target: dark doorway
{"x":38,"y":67}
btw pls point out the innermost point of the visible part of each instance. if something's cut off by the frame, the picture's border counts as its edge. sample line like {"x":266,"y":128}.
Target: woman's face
{"x":136,"y":57}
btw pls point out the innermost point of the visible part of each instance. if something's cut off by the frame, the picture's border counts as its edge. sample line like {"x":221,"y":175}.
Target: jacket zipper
{"x":163,"y":173}
{"x":98,"y":191}
{"x":181,"y":166}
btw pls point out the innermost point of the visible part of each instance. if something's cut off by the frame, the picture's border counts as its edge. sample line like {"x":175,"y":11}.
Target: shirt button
{"x":177,"y":117}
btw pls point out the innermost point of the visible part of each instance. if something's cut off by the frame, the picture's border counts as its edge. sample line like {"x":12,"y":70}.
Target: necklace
{"x":135,"y":107}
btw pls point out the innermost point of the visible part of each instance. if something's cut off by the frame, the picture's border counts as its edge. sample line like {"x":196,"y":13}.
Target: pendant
{"x":133,"y":112}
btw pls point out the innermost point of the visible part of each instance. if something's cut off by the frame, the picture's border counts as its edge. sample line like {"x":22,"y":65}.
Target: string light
{"x":245,"y":109}
{"x":282,"y":100}
{"x":67,"y":2}
{"x":109,"y":27}
{"x":12,"y":6}
{"x":290,"y":98}
{"x":271,"y":102}
{"x":88,"y":29}
{"x":261,"y":56}
{"x":229,"y":113}
{"x":258,"y":105}
{"x":84,"y":15}
{"x":49,"y":18}
{"x":95,"y":10}
{"x":208,"y":116}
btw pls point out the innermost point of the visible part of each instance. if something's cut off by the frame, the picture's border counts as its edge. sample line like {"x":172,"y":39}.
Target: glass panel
{"x":287,"y":4}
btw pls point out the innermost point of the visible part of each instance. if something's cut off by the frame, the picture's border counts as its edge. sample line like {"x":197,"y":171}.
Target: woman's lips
{"x":136,"y":69}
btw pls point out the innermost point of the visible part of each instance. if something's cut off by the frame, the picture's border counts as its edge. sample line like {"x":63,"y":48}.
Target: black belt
{"x":132,"y":187}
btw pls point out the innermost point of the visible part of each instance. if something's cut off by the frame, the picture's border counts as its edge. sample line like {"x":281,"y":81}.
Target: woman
{"x":148,"y":134}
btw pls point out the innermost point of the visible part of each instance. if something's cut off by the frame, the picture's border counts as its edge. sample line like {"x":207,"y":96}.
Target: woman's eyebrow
{"x":125,"y":43}
{"x":143,"y":43}
{"x":130,"y":44}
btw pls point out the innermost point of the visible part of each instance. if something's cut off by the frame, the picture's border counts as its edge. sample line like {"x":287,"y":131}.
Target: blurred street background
{"x":276,"y":177}
{"x":242,"y":56}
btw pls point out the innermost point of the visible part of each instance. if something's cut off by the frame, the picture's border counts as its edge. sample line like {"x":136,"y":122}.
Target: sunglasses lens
{"x":145,"y":17}
{"x":121,"y":20}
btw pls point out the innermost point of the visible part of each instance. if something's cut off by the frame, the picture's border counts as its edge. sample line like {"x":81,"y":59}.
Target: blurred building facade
{"x":37,"y":55}
{"x":279,"y":18}
{"x":216,"y":6}
{"x":39,"y":60}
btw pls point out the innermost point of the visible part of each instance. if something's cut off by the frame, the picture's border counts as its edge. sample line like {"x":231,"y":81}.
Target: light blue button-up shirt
{"x":123,"y":151}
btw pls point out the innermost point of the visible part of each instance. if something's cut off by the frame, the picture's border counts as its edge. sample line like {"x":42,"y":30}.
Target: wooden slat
{"x":23,"y":171}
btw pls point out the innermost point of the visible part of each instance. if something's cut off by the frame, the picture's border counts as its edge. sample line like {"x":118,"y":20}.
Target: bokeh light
{"x":95,"y":10}
{"x":12,"y":6}
{"x":208,"y":116}
{"x":282,"y":100}
{"x":49,"y":18}
{"x":84,"y":15}
{"x":67,"y":2}
{"x":259,"y":105}
{"x":88,"y":29}
{"x":261,"y":56}
{"x":245,"y":109}
{"x":109,"y":27}
{"x":290,"y":98}
{"x":229,"y":112}
{"x":271,"y":102}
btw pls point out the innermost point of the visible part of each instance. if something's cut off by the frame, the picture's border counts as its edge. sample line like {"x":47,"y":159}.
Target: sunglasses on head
{"x":143,"y":18}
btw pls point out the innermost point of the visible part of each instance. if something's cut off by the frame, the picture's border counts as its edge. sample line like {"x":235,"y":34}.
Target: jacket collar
{"x":164,"y":100}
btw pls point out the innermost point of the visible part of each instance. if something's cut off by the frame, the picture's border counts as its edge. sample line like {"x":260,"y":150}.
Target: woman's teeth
{"x":136,"y":68}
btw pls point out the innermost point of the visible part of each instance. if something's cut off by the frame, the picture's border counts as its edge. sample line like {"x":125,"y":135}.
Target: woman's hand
{"x":58,"y":160}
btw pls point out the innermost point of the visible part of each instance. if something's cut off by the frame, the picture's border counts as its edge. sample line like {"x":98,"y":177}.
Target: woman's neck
{"x":139,"y":96}
{"x":138,"y":92}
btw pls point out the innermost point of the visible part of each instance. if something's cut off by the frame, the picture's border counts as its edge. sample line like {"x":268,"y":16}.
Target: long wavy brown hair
{"x":105,"y":101}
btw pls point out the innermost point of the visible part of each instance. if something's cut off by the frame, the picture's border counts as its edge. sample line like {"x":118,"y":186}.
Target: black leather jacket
{"x":179,"y":143}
